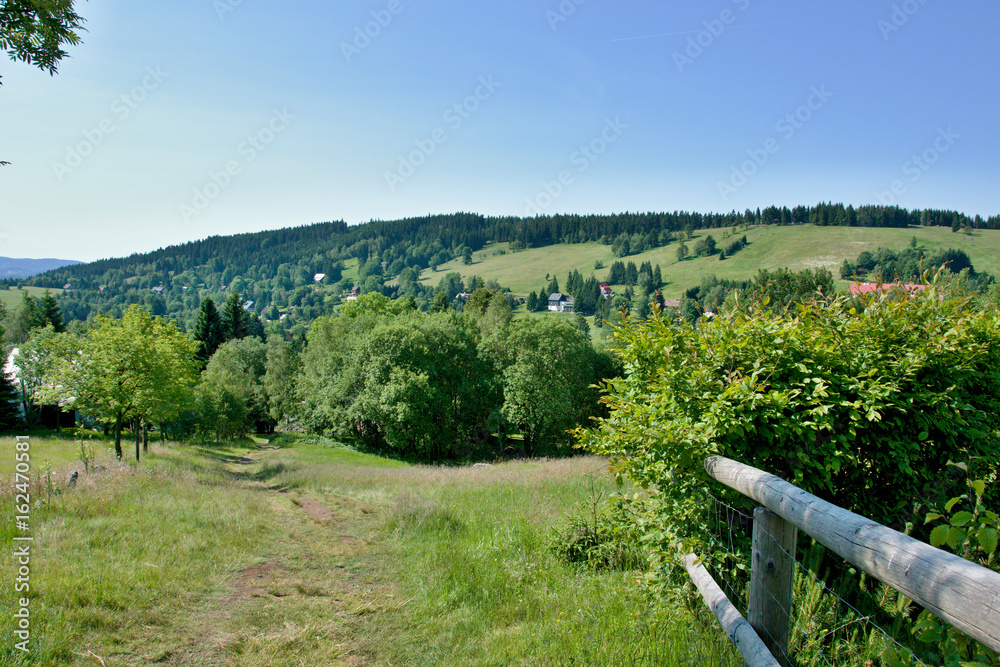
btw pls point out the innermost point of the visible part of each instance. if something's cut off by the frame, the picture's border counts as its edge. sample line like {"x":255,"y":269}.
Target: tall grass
{"x":125,"y":550}
{"x":472,"y":549}
{"x":207,"y":555}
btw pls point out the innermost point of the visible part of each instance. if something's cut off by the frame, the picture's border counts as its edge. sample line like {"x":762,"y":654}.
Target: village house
{"x":560,"y":303}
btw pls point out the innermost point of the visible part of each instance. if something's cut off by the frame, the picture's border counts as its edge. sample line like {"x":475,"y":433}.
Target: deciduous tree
{"x":133,"y":367}
{"x":231,"y":397}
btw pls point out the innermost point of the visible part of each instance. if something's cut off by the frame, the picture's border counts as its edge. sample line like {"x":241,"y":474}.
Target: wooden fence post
{"x":771,"y":577}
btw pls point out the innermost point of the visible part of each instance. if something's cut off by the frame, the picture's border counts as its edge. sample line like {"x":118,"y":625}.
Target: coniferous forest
{"x":274,"y":269}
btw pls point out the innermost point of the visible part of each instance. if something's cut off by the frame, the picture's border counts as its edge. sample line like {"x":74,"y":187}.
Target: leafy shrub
{"x":965,"y":527}
{"x":600,"y":534}
{"x":862,"y":407}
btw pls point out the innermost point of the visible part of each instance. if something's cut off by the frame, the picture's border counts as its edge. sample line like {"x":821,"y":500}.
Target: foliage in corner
{"x":966,"y":528}
{"x":862,"y":404}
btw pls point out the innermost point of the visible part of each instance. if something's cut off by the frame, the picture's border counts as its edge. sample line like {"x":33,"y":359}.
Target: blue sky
{"x":180,"y":120}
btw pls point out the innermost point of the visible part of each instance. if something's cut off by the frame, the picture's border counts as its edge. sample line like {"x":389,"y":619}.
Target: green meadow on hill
{"x":11,"y":297}
{"x":771,"y":247}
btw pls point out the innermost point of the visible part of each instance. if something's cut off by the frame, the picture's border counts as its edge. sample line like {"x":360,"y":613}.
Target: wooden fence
{"x":959,"y":592}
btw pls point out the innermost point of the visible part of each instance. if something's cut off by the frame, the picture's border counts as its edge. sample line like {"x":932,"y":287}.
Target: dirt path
{"x":314,"y":509}
{"x":316,"y":583}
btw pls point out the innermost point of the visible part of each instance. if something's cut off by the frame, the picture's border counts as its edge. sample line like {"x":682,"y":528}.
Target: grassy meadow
{"x":10,"y":297}
{"x":771,"y":247}
{"x":298,"y":552}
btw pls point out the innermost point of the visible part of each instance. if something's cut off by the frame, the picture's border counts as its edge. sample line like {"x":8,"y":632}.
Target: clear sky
{"x":178,"y":120}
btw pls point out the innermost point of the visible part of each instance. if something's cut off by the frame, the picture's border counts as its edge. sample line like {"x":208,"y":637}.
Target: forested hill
{"x":276,"y":269}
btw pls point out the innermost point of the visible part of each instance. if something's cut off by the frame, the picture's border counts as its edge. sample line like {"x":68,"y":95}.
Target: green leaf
{"x":961,"y":518}
{"x":987,"y":539}
{"x":923,"y":436}
{"x":931,"y":635}
{"x":951,"y":503}
{"x":957,"y":537}
{"x":939,"y":535}
{"x":979,"y":486}
{"x":932,"y":516}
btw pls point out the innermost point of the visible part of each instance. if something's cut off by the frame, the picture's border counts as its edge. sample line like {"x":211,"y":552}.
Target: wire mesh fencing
{"x":837,"y":616}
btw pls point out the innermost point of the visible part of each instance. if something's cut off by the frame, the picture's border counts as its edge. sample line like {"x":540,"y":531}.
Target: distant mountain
{"x":24,"y":268}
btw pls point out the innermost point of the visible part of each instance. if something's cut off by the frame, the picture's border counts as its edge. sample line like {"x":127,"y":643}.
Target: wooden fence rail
{"x":742,"y":634}
{"x":959,"y":592}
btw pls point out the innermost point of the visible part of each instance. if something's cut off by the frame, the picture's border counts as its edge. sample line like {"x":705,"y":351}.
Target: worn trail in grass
{"x":318,"y":555}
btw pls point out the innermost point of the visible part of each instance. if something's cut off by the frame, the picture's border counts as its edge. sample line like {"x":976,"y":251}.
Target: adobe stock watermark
{"x":786,"y":127}
{"x":582,"y":158}
{"x":247,"y":150}
{"x":562,"y":12}
{"x":703,"y":40}
{"x":223,"y":7}
{"x":121,"y":108}
{"x":918,"y":165}
{"x":21,"y":620}
{"x":900,"y":16}
{"x":454,"y":116}
{"x":364,"y":35}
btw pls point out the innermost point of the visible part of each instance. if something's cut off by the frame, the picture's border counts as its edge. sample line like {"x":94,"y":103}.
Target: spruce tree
{"x":532,"y":303}
{"x":10,"y":416}
{"x":208,"y":330}
{"x":256,"y":328}
{"x":22,"y":320}
{"x":631,"y":274}
{"x":48,"y":312}
{"x":441,"y":303}
{"x":235,"y":320}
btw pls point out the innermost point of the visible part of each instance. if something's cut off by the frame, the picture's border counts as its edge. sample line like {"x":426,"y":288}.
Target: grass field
{"x":57,"y":452}
{"x":797,"y":247}
{"x":10,"y":297}
{"x":301,"y":553}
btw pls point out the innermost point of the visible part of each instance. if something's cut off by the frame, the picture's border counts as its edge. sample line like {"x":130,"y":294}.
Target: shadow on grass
{"x":210,"y":463}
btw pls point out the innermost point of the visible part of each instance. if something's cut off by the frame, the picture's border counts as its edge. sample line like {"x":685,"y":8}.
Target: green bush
{"x":600,"y":534}
{"x":863,"y":406}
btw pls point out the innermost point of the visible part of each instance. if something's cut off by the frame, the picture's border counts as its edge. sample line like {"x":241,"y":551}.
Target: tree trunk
{"x":135,"y":429}
{"x":163,"y":432}
{"x":145,"y":437}
{"x":118,"y":436}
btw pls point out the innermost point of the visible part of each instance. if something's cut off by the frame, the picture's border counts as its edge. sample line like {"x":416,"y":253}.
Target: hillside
{"x":297,"y":274}
{"x":796,"y":247}
{"x":10,"y":297}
